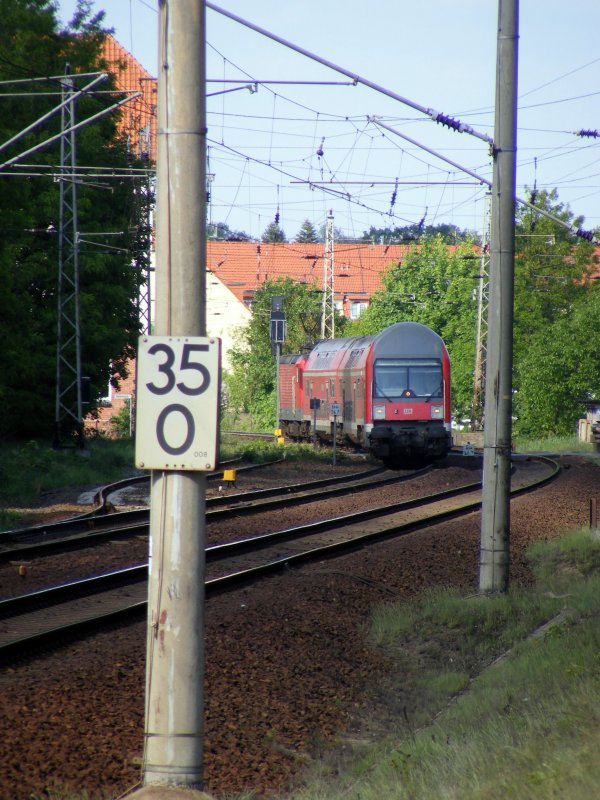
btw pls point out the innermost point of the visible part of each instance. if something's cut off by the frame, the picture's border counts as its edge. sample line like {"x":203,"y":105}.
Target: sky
{"x":294,"y":151}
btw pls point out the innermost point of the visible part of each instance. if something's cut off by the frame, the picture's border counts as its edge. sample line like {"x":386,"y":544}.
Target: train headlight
{"x":378,"y":412}
{"x":437,"y":412}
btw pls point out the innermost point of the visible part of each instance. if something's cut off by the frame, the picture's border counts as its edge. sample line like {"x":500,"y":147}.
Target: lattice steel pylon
{"x":328,"y":310}
{"x":68,"y":409}
{"x":144,"y":191}
{"x":144,"y":257}
{"x":478,"y":405}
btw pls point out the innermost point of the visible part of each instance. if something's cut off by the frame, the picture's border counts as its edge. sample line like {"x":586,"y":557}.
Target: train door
{"x":309,"y":394}
{"x":359,"y":401}
{"x":346,"y":403}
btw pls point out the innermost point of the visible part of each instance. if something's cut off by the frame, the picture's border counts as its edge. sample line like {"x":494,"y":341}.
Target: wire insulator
{"x":589,"y":235}
{"x":394,"y":194}
{"x":450,"y":122}
{"x":590,"y":134}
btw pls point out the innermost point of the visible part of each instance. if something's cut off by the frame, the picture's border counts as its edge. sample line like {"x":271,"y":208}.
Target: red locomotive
{"x":388,"y":393}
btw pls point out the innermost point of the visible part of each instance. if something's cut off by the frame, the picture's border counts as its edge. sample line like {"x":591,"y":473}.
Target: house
{"x":138,"y":117}
{"x":243,"y":267}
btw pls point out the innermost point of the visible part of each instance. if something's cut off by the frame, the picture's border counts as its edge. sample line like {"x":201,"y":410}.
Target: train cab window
{"x":399,"y":378}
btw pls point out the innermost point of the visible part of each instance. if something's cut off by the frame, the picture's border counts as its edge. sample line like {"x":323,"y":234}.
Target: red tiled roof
{"x":358,"y":268}
{"x":138,"y":117}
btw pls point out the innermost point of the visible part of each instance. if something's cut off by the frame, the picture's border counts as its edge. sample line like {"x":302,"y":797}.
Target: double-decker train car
{"x":388,"y":393}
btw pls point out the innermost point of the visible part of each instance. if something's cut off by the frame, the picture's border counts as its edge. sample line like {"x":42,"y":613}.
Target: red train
{"x":388,"y":393}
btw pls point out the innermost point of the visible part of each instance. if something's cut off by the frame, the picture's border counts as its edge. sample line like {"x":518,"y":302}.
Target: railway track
{"x":46,"y":617}
{"x":268,"y":437}
{"x":86,"y":530}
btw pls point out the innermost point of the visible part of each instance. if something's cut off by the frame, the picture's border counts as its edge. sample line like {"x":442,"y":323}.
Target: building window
{"x":357,"y":307}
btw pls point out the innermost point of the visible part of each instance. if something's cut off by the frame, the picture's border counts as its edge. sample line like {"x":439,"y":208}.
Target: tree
{"x":559,"y":370}
{"x":435,"y":285}
{"x":307,"y":233}
{"x":222,"y":232}
{"x":556,"y":334}
{"x":417,"y":232}
{"x":32,"y":45}
{"x":551,"y":265}
{"x":273,"y":233}
{"x":252,"y":380}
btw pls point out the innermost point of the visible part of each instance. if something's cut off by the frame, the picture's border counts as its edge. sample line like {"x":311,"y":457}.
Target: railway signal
{"x":277,"y":335}
{"x":335,"y":410}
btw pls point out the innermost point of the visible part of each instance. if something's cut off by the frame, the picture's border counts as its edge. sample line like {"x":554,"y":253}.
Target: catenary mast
{"x":328,"y":310}
{"x":495,"y":521}
{"x":173,"y":742}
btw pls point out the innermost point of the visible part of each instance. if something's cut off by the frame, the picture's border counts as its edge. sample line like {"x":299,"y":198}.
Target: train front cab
{"x":409,"y":404}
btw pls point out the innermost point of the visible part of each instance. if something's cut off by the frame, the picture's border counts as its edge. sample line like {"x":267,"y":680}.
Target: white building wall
{"x":225,"y":315}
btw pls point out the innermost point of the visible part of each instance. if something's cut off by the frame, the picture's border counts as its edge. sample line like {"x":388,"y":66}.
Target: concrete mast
{"x":173,"y":751}
{"x":495,"y":522}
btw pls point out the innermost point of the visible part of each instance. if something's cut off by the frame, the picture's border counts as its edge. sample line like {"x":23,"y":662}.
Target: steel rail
{"x":85,"y":531}
{"x":215,"y":586}
{"x":87,"y":518}
{"x":228,"y":582}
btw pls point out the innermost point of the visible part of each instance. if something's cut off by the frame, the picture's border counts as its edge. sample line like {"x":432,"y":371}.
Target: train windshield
{"x":399,"y":378}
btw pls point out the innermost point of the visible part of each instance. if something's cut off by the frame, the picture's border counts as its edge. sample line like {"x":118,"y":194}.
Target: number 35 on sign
{"x":177,"y":415}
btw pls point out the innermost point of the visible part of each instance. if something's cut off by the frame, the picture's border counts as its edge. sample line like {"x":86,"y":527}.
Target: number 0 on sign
{"x":178,"y":386}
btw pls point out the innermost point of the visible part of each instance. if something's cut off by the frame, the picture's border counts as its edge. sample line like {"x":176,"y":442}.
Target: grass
{"x":554,"y":444}
{"x":257,"y":450}
{"x":499,"y":694}
{"x":28,"y":469}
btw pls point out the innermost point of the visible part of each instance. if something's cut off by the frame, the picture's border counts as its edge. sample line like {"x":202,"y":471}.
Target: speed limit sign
{"x":178,"y":386}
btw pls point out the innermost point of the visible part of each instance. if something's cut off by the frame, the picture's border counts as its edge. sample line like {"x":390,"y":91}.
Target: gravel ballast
{"x":287,"y":662}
